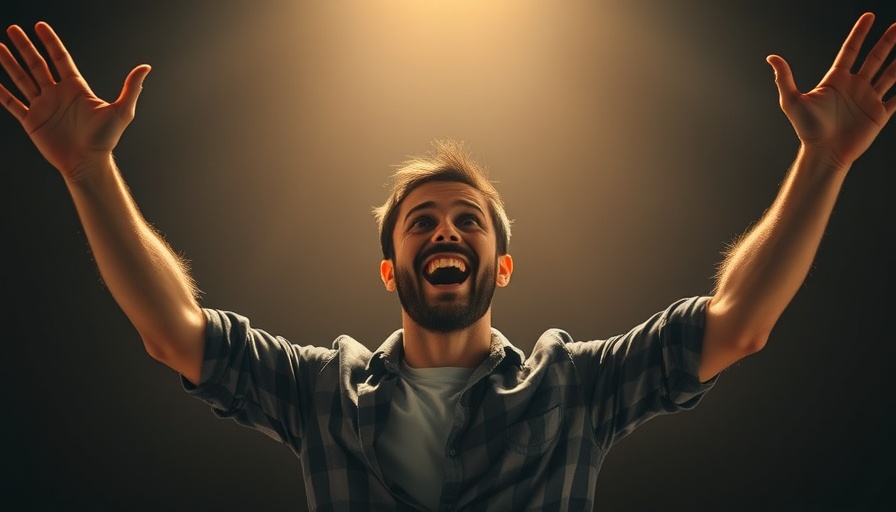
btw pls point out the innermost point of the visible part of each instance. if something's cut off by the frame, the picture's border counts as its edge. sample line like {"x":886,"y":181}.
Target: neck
{"x":466,"y":348}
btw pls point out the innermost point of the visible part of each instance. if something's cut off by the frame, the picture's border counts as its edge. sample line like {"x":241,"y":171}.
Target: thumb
{"x":783,"y":79}
{"x":133,"y":84}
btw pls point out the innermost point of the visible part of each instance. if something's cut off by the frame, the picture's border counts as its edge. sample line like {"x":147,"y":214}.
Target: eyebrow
{"x":432,"y":204}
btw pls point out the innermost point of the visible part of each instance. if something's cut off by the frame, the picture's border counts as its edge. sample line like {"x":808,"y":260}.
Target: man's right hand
{"x":69,"y":124}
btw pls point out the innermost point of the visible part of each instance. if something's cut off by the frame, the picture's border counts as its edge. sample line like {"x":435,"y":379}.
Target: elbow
{"x":156,"y":350}
{"x":171,"y":342}
{"x":730,"y":336}
{"x":723,"y":349}
{"x":752,"y":342}
{"x":746,"y":329}
{"x":163,"y":349}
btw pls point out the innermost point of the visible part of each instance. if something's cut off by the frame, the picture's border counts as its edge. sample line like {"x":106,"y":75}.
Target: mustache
{"x":446,"y":249}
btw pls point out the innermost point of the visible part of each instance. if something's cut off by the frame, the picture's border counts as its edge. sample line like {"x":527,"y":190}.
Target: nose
{"x":445,"y":232}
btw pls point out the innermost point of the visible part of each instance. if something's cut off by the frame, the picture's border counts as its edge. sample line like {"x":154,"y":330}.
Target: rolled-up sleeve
{"x":259,"y":380}
{"x":651,"y":370}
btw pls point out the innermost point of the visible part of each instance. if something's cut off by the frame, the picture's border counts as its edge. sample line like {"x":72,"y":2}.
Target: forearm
{"x":148,"y":281}
{"x":765,"y":269}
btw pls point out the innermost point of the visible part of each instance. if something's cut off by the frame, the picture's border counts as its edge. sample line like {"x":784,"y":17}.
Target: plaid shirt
{"x":529,"y":434}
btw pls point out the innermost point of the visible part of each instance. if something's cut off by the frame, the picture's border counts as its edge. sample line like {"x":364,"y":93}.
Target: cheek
{"x":487,"y":250}
{"x":405,"y":259}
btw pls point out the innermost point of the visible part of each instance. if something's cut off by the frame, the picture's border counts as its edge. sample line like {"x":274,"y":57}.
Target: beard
{"x":446,"y":314}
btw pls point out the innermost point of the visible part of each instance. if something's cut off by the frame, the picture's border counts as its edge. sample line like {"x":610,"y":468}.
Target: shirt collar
{"x":387,"y":358}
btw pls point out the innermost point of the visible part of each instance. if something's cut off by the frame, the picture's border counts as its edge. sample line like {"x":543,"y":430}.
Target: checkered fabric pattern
{"x":529,"y":433}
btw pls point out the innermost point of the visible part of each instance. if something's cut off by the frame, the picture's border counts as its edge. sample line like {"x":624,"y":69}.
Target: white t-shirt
{"x":411,"y":449}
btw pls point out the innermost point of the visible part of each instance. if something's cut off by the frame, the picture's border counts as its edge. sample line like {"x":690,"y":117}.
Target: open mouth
{"x":444,"y":270}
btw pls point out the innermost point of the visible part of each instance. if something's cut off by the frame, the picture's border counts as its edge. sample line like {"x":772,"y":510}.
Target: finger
{"x":890,"y":106}
{"x":18,"y":75}
{"x":62,"y":60}
{"x":787,"y":90}
{"x":133,"y":85}
{"x":36,"y":64}
{"x":12,"y":104}
{"x":853,"y":43}
{"x":878,"y":55}
{"x":886,"y":80}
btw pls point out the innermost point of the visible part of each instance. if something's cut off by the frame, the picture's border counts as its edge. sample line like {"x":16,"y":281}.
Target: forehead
{"x":442,"y":194}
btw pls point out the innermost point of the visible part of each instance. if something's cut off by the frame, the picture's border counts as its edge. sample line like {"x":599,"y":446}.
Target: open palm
{"x":844,"y":113}
{"x":69,"y":125}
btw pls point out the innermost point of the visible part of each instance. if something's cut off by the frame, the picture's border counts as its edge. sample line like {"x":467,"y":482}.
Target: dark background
{"x":632,"y":140}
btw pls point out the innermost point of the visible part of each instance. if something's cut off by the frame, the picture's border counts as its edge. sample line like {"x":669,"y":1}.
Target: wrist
{"x":822,"y":160}
{"x":100,"y":163}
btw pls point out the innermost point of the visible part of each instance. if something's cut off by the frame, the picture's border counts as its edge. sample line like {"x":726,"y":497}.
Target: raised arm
{"x":835,"y":123}
{"x":76,"y":132}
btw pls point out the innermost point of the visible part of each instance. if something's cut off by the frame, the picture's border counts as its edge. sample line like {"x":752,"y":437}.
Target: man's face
{"x":445,"y":265}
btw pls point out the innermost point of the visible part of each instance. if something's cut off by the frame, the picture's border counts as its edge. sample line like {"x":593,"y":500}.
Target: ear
{"x":505,"y":269}
{"x":387,"y":274}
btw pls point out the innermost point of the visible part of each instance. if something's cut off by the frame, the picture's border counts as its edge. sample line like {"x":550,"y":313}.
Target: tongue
{"x":446,"y":275}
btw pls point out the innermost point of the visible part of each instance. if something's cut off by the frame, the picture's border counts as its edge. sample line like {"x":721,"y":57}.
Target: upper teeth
{"x":445,"y":262}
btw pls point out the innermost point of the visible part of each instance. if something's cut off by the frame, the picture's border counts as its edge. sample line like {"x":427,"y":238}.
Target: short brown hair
{"x":451,"y":162}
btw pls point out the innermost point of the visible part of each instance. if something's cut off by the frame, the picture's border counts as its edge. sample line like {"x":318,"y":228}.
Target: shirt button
{"x":452,"y":452}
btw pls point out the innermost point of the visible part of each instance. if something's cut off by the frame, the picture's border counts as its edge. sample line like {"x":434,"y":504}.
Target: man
{"x":447,"y":414}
